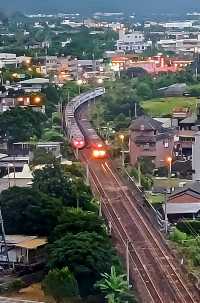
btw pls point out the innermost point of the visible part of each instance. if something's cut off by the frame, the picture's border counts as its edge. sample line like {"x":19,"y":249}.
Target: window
{"x":166,"y":144}
{"x":146,"y":146}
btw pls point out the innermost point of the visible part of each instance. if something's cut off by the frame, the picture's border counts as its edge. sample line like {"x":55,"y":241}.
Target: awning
{"x":32,"y":244}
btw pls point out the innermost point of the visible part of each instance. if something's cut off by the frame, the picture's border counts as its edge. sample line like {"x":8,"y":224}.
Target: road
{"x":12,"y":300}
{"x":155,"y":272}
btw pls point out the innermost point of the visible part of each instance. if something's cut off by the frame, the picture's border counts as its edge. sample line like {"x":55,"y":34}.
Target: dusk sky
{"x":94,"y":5}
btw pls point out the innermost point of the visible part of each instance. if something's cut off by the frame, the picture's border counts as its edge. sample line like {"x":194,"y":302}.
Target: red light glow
{"x":78,"y":144}
{"x":99,"y":153}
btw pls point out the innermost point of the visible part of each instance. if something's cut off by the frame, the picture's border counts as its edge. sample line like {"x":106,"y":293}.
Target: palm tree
{"x":115,"y":287}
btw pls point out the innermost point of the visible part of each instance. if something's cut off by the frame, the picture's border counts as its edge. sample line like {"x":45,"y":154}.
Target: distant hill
{"x":85,"y":6}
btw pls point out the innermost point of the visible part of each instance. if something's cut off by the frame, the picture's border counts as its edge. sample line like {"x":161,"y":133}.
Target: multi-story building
{"x":148,"y":138}
{"x":8,"y":59}
{"x":179,"y":44}
{"x":186,"y":134}
{"x":132,"y":42}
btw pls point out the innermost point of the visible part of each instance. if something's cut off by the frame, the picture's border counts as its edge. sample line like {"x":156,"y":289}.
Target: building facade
{"x":148,"y":138}
{"x":132,"y":42}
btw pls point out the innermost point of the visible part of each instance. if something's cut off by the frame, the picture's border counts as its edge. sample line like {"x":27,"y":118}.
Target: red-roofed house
{"x":184,"y":202}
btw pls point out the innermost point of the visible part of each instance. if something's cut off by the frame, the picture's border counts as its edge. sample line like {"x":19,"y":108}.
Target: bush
{"x":146,"y":182}
{"x":178,"y":236}
{"x":190,"y":227}
{"x":194,"y":91}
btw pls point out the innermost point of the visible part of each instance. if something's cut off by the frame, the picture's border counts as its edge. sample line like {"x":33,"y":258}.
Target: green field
{"x":160,"y":107}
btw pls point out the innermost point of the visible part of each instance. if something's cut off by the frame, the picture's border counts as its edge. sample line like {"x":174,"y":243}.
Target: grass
{"x":160,"y":107}
{"x":155,"y":198}
{"x":165,"y":183}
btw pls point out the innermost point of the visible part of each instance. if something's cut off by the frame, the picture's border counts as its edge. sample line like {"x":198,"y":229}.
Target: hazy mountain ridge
{"x":84,"y":6}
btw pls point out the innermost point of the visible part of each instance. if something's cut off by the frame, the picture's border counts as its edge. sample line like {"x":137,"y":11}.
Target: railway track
{"x":157,"y":275}
{"x":163,"y":281}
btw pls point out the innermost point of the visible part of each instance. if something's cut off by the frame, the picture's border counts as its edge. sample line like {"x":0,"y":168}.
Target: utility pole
{"x":87,"y":174}
{"x":135,"y":109}
{"x":100,"y":208}
{"x":166,"y":218}
{"x":127,"y":261}
{"x":139,"y":174}
{"x":3,"y":239}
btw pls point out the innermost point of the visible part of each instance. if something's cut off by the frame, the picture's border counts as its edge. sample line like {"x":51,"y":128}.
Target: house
{"x":16,"y":178}
{"x":186,"y":133}
{"x":23,"y":250}
{"x":132,"y":42}
{"x":184,"y":202}
{"x":179,"y":44}
{"x":34,"y":84}
{"x":148,"y":138}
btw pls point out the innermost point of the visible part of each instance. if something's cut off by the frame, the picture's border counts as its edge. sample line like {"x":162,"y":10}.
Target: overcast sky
{"x":141,"y":6}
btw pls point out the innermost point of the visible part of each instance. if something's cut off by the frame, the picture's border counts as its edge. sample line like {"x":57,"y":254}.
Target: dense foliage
{"x":53,"y":181}
{"x":28,"y":211}
{"x":60,"y":285}
{"x":21,"y":124}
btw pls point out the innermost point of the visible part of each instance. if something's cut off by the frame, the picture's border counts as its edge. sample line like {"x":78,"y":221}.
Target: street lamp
{"x":121,"y":137}
{"x":169,"y":162}
{"x":100,"y":81}
{"x":37,"y":100}
{"x":79,"y":83}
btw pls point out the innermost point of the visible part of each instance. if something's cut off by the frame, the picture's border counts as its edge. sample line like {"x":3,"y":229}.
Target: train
{"x":76,"y":137}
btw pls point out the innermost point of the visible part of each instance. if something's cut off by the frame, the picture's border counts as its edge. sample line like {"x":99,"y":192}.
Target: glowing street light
{"x":169,"y":161}
{"x":37,"y":99}
{"x":79,"y":83}
{"x":15,"y":75}
{"x":121,"y":137}
{"x":100,"y":81}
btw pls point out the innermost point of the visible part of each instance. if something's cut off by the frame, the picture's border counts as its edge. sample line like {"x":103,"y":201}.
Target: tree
{"x":53,"y":181}
{"x":20,"y":124}
{"x":115,"y":287}
{"x":42,"y":156}
{"x":144,"y":91}
{"x":28,"y":211}
{"x":86,"y":254}
{"x":61,"y":285}
{"x":75,"y":221}
{"x":52,"y":135}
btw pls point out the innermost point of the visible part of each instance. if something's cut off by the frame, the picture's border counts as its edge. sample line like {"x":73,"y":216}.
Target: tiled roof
{"x":191,"y":187}
{"x":189,"y":120}
{"x":146,"y":123}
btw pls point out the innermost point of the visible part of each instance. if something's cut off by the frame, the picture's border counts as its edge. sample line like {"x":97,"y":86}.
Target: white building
{"x":8,"y":59}
{"x":134,"y":42}
{"x":196,"y":157}
{"x":186,"y":44}
{"x":180,"y":24}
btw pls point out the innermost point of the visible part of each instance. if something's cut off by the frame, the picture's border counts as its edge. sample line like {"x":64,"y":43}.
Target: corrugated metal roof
{"x":32,"y":244}
{"x":182,"y":208}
